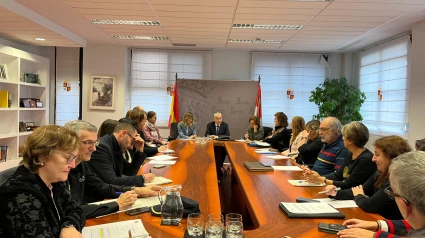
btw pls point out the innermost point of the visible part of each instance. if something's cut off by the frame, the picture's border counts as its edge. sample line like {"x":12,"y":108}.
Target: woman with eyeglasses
{"x":34,"y":201}
{"x":371,"y":196}
{"x":408,"y":191}
{"x":357,"y":166}
{"x":151,"y":131}
{"x":307,"y":153}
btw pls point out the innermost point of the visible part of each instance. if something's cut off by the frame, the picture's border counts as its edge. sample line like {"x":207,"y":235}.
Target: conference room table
{"x":255,"y":195}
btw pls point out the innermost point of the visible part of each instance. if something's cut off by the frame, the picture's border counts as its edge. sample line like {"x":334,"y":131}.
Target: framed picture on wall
{"x":102,"y":93}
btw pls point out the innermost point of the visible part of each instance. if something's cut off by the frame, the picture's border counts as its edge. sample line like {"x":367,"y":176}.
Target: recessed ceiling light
{"x":126,"y":22}
{"x":256,"y":41}
{"x":40,"y":39}
{"x":268,"y":27}
{"x":140,"y":37}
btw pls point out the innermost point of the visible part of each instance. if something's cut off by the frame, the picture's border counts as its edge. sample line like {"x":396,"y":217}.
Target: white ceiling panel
{"x":336,"y":33}
{"x":196,"y":20}
{"x":186,"y":36}
{"x":335,"y":28}
{"x":195,"y":29}
{"x":194,"y":24}
{"x":119,"y":17}
{"x":103,"y":1}
{"x":280,"y":19}
{"x":362,"y":13}
{"x":147,"y":31}
{"x":416,"y":2}
{"x":253,"y":46}
{"x":376,"y":19}
{"x":282,"y":4}
{"x":209,"y":15}
{"x":111,"y":5}
{"x":128,"y":27}
{"x":115,"y":12}
{"x":368,"y":6}
{"x":261,"y":35}
{"x":224,"y":3}
{"x":177,"y":8}
{"x":345,"y":24}
{"x":275,"y":11}
{"x":197,"y":33}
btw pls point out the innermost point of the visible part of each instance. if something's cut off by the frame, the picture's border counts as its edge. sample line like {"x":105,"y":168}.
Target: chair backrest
{"x":5,"y":174}
{"x":173,"y":131}
{"x":267,"y":131}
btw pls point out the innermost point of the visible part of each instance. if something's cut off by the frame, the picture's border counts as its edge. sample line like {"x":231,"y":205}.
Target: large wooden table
{"x":255,"y":195}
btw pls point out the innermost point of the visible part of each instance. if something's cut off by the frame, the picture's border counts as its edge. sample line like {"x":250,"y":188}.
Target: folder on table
{"x":310,"y":210}
{"x":257,"y":167}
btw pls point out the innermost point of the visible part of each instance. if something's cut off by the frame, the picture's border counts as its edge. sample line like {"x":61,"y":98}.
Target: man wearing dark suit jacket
{"x":216,"y":129}
{"x":108,"y":163}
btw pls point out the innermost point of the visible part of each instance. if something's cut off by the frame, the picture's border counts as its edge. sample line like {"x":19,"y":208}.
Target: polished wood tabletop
{"x":255,"y":195}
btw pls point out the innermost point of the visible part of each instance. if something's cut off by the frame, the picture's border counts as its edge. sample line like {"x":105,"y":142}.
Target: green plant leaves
{"x":338,"y":98}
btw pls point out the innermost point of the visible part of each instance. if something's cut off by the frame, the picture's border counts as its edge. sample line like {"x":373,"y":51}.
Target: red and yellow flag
{"x":174,"y":107}
{"x":258,"y":103}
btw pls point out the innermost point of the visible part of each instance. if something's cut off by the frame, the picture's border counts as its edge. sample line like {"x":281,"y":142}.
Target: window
{"x":152,"y":71}
{"x":280,"y":72}
{"x":385,"y":68}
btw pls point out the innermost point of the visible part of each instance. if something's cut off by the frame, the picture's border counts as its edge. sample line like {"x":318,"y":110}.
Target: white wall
{"x":417,"y":85}
{"x":230,"y":65}
{"x":110,"y":60}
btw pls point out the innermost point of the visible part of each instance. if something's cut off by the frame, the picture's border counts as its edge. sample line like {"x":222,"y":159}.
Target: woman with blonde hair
{"x":33,"y":201}
{"x":186,"y":128}
{"x":299,"y":136}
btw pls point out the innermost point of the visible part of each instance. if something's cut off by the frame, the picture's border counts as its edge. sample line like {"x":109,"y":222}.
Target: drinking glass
{"x":216,"y":216}
{"x":234,"y":229}
{"x":195,"y":224}
{"x":214,"y":229}
{"x":233,"y":217}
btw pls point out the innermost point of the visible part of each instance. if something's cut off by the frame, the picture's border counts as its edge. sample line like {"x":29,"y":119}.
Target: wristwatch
{"x":67,"y":224}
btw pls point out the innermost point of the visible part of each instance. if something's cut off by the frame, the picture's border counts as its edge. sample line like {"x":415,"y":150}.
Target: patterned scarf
{"x":152,"y":128}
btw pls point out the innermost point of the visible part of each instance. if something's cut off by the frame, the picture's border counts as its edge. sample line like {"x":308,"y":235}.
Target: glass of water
{"x":214,"y":229}
{"x":233,"y":217}
{"x":195,"y":225}
{"x":216,"y":217}
{"x":234,"y":229}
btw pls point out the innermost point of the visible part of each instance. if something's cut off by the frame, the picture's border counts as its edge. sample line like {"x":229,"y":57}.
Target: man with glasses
{"x":333,"y":151}
{"x":86,"y":187}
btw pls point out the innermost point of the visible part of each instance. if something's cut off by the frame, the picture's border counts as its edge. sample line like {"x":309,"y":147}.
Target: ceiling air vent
{"x":182,"y":44}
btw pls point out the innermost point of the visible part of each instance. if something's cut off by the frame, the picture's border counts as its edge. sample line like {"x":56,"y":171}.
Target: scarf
{"x":152,"y":128}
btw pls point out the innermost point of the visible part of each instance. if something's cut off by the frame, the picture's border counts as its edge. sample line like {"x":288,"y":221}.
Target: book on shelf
{"x":3,"y":153}
{"x":4,"y":98}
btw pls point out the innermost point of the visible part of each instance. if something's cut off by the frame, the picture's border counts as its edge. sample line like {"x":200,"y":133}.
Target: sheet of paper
{"x":158,"y":180}
{"x":116,"y":230}
{"x":140,"y":202}
{"x":265,"y":151}
{"x":240,"y":140}
{"x":309,"y":208}
{"x":338,"y":203}
{"x":275,"y":157}
{"x":165,"y":162}
{"x":304,"y":183}
{"x":287,"y":168}
{"x":260,"y":143}
{"x":168,"y":151}
{"x":162,"y":157}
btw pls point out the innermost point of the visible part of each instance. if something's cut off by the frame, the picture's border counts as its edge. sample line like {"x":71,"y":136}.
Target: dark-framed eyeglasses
{"x":132,"y":138}
{"x":69,"y":157}
{"x":90,"y":142}
{"x":393,"y":195}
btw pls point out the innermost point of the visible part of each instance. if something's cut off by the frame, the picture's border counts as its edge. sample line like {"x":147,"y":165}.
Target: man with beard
{"x":108,"y":163}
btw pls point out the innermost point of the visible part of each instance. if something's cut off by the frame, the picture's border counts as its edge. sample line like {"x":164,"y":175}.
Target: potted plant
{"x":338,"y":98}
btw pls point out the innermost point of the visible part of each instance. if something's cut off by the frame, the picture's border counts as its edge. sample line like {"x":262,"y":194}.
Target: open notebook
{"x":121,"y":229}
{"x":159,"y":180}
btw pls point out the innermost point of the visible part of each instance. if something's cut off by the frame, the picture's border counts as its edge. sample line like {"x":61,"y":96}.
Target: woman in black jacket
{"x":371,"y":197}
{"x":280,"y":137}
{"x":307,"y":153}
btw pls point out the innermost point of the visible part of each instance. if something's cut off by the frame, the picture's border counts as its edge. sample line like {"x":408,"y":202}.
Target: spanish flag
{"x":174,"y":107}
{"x":258,"y":103}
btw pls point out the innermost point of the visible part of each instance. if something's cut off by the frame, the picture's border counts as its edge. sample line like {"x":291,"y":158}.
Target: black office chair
{"x":173,"y":131}
{"x":267,"y":131}
{"x":5,"y":174}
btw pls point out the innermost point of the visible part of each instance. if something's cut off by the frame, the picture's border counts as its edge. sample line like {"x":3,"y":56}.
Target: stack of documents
{"x":265,"y":151}
{"x":310,"y":209}
{"x":159,"y":180}
{"x":304,"y":183}
{"x":164,"y":162}
{"x":162,"y":157}
{"x":287,"y":168}
{"x":121,"y":229}
{"x":275,"y":157}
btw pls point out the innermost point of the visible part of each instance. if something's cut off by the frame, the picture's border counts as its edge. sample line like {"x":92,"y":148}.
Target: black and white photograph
{"x":102,"y":94}
{"x":3,"y":71}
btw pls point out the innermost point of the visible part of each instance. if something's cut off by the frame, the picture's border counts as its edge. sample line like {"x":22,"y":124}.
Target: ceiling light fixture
{"x":126,"y":22}
{"x":140,"y":37}
{"x":268,"y":27}
{"x":256,"y":41}
{"x":39,"y":39}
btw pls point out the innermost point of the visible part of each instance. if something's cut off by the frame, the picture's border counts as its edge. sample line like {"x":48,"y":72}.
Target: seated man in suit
{"x":216,"y":129}
{"x":108,"y":163}
{"x":86,"y":187}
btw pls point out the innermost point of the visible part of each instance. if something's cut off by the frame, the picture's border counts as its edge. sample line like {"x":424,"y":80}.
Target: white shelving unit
{"x":18,"y":61}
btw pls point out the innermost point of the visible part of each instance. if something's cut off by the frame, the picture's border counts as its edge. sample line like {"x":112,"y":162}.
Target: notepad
{"x":304,"y":183}
{"x":287,"y":168}
{"x":117,"y":230}
{"x":310,"y":210}
{"x":164,"y":162}
{"x":159,"y":180}
{"x":276,"y":157}
{"x":265,"y":151}
{"x":162,"y":157}
{"x":258,"y":167}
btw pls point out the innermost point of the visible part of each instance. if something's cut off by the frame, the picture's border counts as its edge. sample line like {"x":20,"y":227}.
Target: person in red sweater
{"x":408,"y":190}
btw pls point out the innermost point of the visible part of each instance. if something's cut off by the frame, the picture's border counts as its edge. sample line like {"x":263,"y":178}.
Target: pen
{"x":326,"y":191}
{"x":118,"y":193}
{"x":129,"y":234}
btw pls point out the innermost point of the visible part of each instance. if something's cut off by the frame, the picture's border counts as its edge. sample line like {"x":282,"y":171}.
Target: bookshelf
{"x":17,"y":61}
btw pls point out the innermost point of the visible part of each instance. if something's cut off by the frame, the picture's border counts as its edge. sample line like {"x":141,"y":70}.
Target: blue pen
{"x":118,"y":193}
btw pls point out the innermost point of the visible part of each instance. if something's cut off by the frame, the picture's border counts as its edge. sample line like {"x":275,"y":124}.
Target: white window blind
{"x":386,"y":68}
{"x":152,"y":71}
{"x":280,"y":72}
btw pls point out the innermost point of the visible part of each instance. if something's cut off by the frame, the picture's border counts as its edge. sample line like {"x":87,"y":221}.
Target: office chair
{"x":267,"y":131}
{"x":173,"y":131}
{"x":5,"y":174}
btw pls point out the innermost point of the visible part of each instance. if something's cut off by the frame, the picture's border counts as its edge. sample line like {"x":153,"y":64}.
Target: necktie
{"x":216,"y":129}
